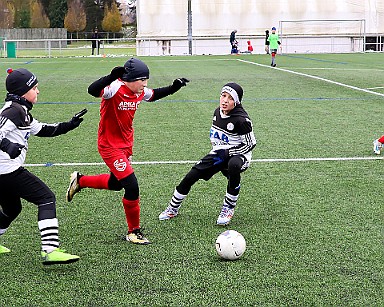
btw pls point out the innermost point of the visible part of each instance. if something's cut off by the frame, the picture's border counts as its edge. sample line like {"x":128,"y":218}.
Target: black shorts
{"x":207,"y":168}
{"x":23,"y":184}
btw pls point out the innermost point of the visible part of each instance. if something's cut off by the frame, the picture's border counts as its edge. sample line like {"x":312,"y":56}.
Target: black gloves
{"x":221,"y":156}
{"x":179,"y":83}
{"x":13,"y":149}
{"x":77,"y":118}
{"x":117,"y":72}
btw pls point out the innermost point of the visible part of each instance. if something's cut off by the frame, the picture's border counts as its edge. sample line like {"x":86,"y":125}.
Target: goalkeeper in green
{"x":273,"y":45}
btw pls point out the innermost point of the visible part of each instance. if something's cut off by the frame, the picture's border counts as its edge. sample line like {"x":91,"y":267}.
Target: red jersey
{"x":117,"y":111}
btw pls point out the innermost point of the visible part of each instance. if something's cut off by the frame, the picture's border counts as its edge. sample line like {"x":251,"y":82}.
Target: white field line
{"x":315,"y":77}
{"x":272,"y":160}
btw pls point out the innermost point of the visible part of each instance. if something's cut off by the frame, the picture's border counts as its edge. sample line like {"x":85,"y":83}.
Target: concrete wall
{"x":35,"y":34}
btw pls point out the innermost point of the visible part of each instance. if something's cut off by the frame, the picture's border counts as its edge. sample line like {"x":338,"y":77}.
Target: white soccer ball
{"x":230,"y":245}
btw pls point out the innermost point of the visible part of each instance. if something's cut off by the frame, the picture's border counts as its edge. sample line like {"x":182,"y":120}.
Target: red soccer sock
{"x":95,"y":182}
{"x":381,"y":140}
{"x":132,"y":213}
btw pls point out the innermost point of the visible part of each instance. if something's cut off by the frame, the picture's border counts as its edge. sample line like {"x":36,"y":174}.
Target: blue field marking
{"x":69,"y":102}
{"x":216,"y":101}
{"x":312,"y":59}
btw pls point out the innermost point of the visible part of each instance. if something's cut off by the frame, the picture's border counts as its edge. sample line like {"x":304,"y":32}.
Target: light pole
{"x":189,"y":27}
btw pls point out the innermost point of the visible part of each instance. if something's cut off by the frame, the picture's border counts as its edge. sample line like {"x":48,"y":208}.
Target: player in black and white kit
{"x":232,"y":142}
{"x":16,"y":182}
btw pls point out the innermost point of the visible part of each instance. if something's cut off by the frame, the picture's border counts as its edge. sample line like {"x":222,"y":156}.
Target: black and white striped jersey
{"x":233,"y":131}
{"x":17,"y":125}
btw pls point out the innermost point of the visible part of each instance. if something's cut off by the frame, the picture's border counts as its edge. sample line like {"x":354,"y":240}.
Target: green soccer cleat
{"x":136,"y":236}
{"x":4,"y":250}
{"x":58,"y":256}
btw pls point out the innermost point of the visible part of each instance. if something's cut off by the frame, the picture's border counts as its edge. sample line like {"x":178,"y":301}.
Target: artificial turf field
{"x":310,"y":207}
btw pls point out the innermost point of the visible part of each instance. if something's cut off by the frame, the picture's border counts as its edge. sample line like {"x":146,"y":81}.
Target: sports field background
{"x":310,"y":208}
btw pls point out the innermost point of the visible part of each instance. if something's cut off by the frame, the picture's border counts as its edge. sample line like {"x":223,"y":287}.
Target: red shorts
{"x":118,"y":161}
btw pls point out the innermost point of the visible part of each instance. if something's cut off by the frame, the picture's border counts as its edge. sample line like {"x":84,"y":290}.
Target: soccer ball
{"x":230,"y":245}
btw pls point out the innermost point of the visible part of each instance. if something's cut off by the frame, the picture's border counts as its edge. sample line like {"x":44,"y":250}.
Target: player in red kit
{"x":121,"y":92}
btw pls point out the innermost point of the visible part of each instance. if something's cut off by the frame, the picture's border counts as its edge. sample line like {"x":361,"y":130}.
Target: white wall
{"x":167,"y":19}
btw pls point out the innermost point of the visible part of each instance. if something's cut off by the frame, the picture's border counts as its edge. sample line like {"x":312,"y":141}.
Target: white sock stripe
{"x":50,"y":246}
{"x":50,"y":239}
{"x":228,"y":202}
{"x":48,"y":223}
{"x":231,"y":197}
{"x":176,"y":199}
{"x":178,"y":195}
{"x":175,"y":202}
{"x":49,"y":231}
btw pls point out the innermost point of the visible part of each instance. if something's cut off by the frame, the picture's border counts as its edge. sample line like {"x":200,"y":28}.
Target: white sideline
{"x":192,"y":162}
{"x":315,"y":77}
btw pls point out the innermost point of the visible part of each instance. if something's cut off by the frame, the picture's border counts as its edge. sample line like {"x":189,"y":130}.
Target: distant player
{"x":121,"y":93}
{"x":378,"y":144}
{"x":232,"y":142}
{"x":234,"y":43}
{"x":266,"y":47}
{"x":274,"y":43}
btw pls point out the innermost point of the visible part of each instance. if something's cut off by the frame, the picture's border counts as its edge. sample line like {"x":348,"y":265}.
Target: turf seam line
{"x":272,"y":160}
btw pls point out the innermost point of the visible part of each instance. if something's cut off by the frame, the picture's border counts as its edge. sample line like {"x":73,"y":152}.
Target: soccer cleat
{"x":58,"y":256}
{"x":168,"y":213}
{"x":74,"y":186}
{"x":137,"y":237}
{"x":377,"y":147}
{"x":4,"y":250}
{"x":225,"y":216}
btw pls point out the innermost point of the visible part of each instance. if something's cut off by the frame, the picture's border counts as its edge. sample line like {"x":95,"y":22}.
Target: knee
{"x":131,"y":187}
{"x":234,"y":166}
{"x":9,"y":213}
{"x":48,"y":203}
{"x":48,"y":200}
{"x":114,"y":184}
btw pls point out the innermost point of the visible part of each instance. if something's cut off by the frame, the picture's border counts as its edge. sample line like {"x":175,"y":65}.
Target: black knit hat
{"x":19,"y":81}
{"x":135,"y":70}
{"x":234,"y":90}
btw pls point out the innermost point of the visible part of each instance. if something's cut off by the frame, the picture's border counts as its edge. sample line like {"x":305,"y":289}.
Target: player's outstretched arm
{"x":162,"y":92}
{"x":96,"y":87}
{"x":51,"y":130}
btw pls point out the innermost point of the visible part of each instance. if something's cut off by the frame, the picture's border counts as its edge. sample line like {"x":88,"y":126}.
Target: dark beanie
{"x":234,"y":90}
{"x":135,"y":70}
{"x":19,"y":81}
